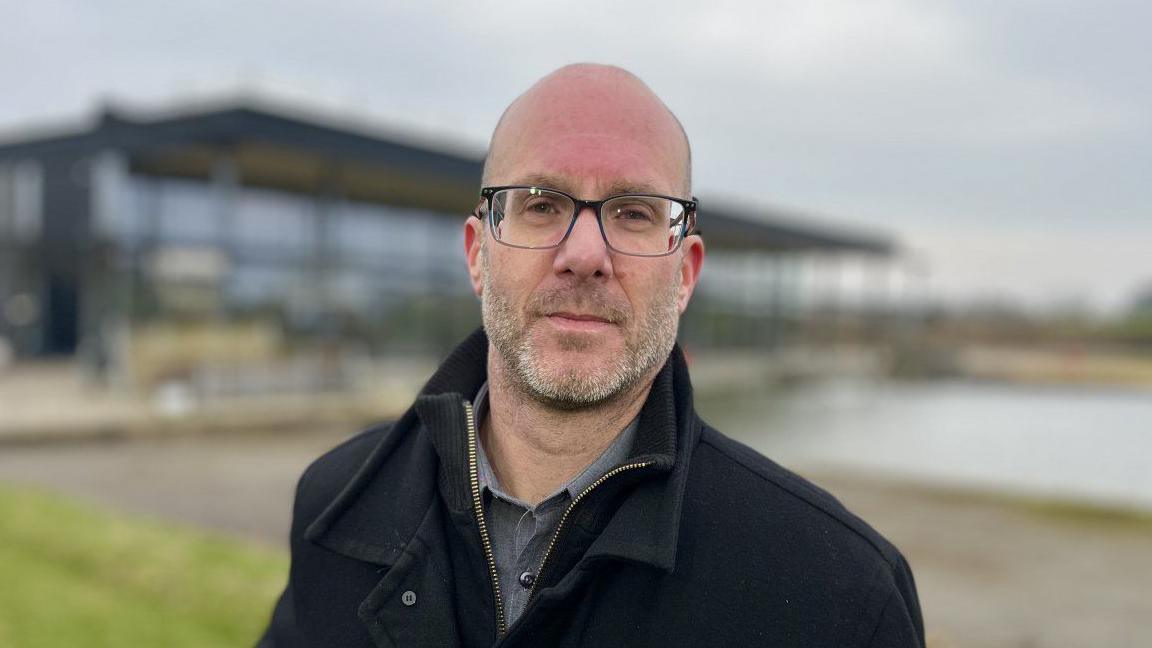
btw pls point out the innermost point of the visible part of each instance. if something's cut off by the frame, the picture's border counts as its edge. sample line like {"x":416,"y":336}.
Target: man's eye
{"x":542,"y":207}
{"x":635,"y":213}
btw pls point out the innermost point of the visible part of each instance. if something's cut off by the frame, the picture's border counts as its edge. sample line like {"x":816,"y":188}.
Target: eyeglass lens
{"x":539,"y":218}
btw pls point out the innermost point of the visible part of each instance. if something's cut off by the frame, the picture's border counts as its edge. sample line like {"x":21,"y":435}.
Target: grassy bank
{"x":77,"y":576}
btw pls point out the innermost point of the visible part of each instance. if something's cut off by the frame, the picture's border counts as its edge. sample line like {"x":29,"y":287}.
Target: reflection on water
{"x":1084,"y":443}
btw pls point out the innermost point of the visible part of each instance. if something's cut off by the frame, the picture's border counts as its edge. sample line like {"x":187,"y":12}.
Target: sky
{"x":1006,"y":145}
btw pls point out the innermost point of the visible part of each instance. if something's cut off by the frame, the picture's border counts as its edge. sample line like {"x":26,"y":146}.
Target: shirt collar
{"x":613,"y":455}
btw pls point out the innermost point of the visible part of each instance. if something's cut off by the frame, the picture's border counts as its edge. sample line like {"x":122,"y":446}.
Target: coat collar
{"x":425,"y":454}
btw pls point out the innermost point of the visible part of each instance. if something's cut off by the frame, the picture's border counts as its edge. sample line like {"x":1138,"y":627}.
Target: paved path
{"x":241,"y":485}
{"x":992,"y":574}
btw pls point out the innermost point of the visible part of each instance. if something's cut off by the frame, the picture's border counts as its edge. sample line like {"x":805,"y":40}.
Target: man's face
{"x":579,"y":344}
{"x":580,"y":324}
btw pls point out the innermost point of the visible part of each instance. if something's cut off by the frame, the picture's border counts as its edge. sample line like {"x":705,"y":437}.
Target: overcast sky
{"x":1007,"y":144}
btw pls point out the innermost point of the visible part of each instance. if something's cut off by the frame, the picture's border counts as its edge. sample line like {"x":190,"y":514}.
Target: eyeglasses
{"x":535,"y":218}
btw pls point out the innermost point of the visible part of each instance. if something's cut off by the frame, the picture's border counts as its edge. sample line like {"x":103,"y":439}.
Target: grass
{"x":1086,"y":513}
{"x":73,"y":575}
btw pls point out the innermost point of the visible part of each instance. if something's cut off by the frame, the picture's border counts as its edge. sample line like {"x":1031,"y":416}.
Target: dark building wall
{"x":65,"y":233}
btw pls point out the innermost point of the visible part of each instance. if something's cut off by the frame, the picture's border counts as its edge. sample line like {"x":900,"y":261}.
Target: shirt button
{"x":527,"y":580}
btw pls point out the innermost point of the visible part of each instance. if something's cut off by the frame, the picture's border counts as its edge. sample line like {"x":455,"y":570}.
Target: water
{"x":1090,"y":444}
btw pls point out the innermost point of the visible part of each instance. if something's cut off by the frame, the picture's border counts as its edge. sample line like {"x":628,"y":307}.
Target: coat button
{"x":408,"y":598}
{"x":527,"y":580}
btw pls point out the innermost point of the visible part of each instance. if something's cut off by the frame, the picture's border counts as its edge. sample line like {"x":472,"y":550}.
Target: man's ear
{"x":473,"y":237}
{"x":691,"y":261}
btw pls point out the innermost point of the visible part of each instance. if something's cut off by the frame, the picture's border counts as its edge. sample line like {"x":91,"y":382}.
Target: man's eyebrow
{"x":632,"y":187}
{"x":546,"y":181}
{"x":555,"y":182}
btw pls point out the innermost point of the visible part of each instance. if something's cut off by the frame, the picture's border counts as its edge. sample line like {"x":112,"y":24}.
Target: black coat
{"x":704,"y":542}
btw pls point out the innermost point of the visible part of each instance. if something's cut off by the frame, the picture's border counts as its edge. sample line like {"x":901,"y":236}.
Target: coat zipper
{"x":564,"y":518}
{"x":478,"y":507}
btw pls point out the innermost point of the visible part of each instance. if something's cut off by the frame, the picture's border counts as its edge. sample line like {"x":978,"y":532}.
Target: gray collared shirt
{"x":520,"y":532}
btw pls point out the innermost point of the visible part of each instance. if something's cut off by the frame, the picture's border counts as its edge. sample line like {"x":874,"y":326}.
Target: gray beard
{"x":569,"y":389}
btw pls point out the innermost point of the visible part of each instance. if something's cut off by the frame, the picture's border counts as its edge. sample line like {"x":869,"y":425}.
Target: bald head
{"x":587,"y":119}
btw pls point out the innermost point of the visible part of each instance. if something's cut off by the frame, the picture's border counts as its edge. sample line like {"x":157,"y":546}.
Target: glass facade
{"x":385,"y":276}
{"x":21,"y":201}
{"x":317,"y":265}
{"x":21,"y":285}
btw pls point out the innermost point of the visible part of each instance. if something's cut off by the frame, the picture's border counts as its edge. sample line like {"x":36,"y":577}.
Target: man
{"x":552,"y":485}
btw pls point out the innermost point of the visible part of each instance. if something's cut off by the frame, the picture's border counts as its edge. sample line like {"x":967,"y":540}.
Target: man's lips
{"x":578,"y":321}
{"x":580,"y":317}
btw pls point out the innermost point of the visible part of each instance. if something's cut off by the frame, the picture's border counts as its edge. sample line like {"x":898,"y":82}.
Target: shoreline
{"x":1055,"y":505}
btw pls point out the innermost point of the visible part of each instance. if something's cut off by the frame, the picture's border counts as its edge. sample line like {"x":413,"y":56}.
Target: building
{"x":331,"y":231}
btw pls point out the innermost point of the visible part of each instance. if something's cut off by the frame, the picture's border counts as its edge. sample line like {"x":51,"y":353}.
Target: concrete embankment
{"x":1070,"y":366}
{"x":56,"y":402}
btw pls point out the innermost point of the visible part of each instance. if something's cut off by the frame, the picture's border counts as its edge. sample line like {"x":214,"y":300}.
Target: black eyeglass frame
{"x":688,"y":227}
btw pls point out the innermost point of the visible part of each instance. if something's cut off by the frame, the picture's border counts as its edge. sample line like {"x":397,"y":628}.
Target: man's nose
{"x":584,"y":253}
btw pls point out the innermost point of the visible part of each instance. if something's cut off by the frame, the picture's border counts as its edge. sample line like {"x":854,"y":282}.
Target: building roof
{"x":731,"y":226}
{"x":284,"y":148}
